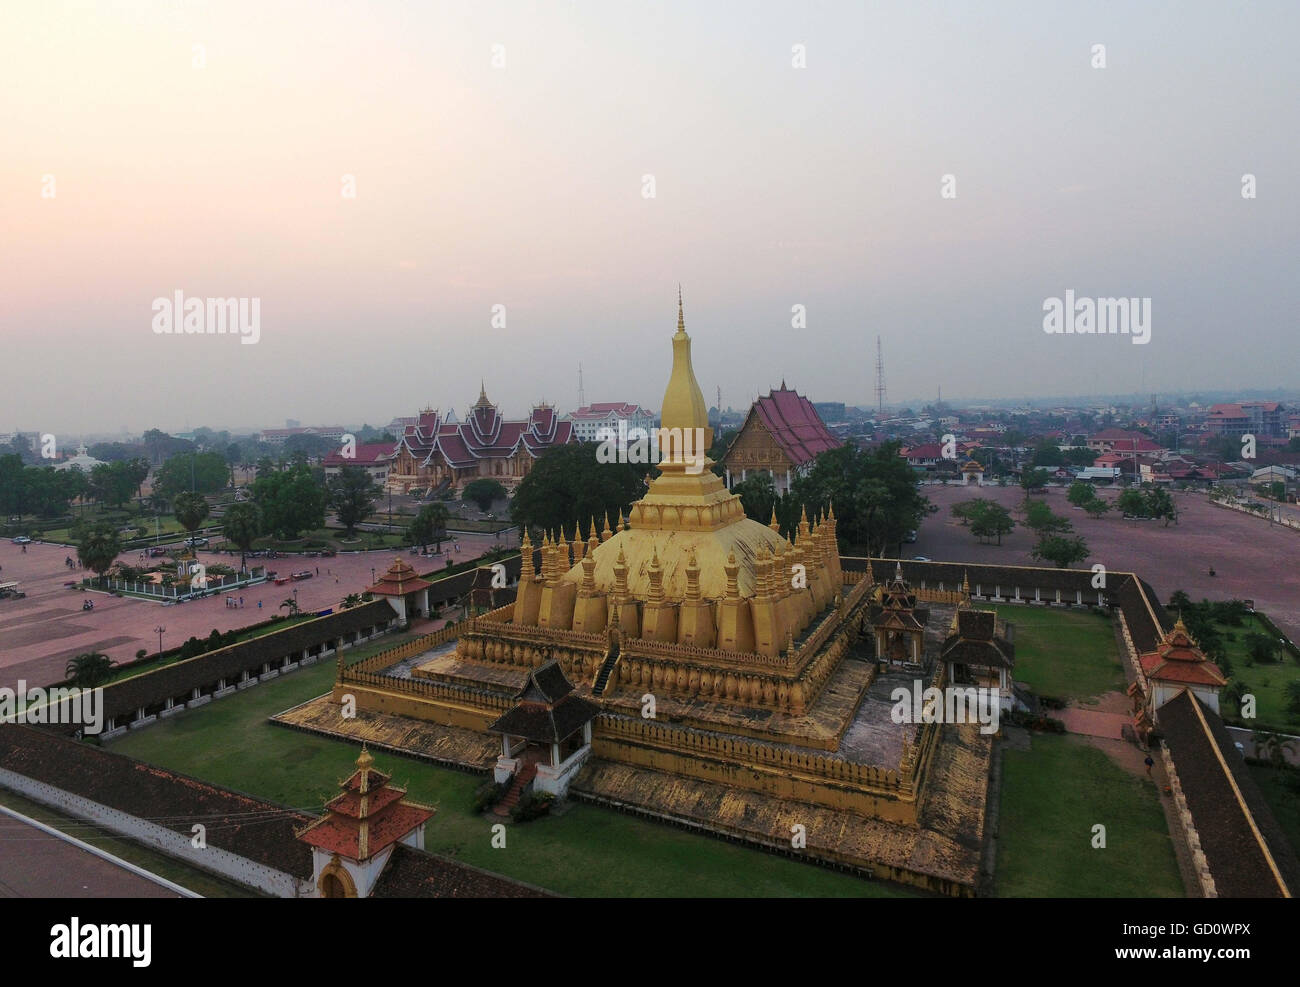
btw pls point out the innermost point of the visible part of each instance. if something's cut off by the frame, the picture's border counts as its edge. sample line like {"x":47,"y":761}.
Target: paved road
{"x":36,"y":864}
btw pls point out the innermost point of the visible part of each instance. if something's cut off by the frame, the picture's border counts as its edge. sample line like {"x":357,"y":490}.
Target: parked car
{"x":22,"y":540}
{"x":157,"y":551}
{"x":920,"y":558}
{"x":200,"y":543}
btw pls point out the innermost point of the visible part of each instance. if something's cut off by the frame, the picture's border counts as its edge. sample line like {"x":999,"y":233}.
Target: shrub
{"x":534,"y":806}
{"x":487,"y":795}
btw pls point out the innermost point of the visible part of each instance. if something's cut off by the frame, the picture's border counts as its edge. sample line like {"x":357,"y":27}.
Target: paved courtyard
{"x":1252,"y":559}
{"x":40,"y":633}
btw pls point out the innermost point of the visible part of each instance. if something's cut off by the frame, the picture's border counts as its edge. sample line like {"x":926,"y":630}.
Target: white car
{"x":22,"y":540}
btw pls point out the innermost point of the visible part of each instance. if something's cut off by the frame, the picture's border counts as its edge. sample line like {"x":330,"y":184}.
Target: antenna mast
{"x":582,"y":399}
{"x":880,"y":379}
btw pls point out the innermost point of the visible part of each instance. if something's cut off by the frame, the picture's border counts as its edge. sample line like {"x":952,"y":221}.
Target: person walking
{"x":1150,"y":764}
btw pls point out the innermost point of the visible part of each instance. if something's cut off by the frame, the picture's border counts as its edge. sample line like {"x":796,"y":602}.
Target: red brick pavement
{"x":39,"y":634}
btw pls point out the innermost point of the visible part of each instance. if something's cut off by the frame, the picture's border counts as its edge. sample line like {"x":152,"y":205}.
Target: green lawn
{"x":1281,"y":788}
{"x":1052,"y":796}
{"x":585,"y":851}
{"x":1069,"y":654}
{"x":1266,"y":682}
{"x":198,"y":881}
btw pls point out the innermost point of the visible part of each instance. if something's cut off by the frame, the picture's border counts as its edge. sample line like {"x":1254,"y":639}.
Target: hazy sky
{"x":219,"y":171}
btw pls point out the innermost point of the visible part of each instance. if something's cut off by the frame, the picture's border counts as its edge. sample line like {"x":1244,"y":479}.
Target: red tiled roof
{"x":794,"y":424}
{"x":611,"y":409}
{"x":399,"y":580}
{"x":367,"y":454}
{"x":1178,"y":659}
{"x":335,"y":834}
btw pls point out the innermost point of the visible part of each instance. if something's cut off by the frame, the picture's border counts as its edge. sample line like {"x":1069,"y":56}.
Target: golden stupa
{"x":727,"y":668}
{"x":688,"y":567}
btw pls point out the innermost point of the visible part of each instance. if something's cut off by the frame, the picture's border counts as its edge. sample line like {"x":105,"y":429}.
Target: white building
{"x":588,"y":421}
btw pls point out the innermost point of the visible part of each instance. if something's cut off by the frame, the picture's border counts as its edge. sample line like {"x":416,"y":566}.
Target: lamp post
{"x":160,"y":629}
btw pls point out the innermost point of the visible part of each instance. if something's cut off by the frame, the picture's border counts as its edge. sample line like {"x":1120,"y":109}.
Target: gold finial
{"x":681,"y":319}
{"x":774,"y":524}
{"x":364,"y":761}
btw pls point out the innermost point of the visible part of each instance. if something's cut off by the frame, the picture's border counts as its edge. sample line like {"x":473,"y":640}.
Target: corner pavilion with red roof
{"x":1177,"y":665}
{"x":352,"y":843}
{"x":405,"y":591}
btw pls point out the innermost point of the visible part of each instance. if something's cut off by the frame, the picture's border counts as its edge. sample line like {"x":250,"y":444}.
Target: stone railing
{"x":702,"y":744}
{"x":429,"y":689}
{"x":646,"y":648}
{"x":400,"y":652}
{"x":917,"y":752}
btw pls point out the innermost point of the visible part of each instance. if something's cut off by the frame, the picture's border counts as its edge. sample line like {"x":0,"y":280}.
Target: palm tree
{"x":98,"y":547}
{"x":89,"y":669}
{"x":351,"y":600}
{"x":1272,"y":748}
{"x":291,"y":605}
{"x":190,"y":510}
{"x":242,"y":524}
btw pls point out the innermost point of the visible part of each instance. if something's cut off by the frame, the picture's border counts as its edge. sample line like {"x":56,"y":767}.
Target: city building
{"x":376,"y":458}
{"x":1259,"y":418}
{"x":278,"y":436}
{"x":591,"y":420}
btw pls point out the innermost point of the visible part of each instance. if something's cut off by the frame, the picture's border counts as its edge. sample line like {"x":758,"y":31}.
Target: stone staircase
{"x":606,"y":669}
{"x":518,"y":782}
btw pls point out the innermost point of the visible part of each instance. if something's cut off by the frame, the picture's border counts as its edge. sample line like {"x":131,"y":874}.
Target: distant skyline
{"x":204,"y":146}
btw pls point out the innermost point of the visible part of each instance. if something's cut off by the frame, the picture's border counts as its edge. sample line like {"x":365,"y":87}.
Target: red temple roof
{"x":368,"y":817}
{"x":1178,"y":659}
{"x":399,"y":580}
{"x":794,"y":424}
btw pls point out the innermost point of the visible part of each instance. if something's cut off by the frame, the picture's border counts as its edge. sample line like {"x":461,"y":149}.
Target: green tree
{"x":1160,"y":504}
{"x":1261,"y":647}
{"x":98,"y":547}
{"x":1062,"y":552}
{"x":196,"y":472}
{"x":242,"y":525}
{"x":88,"y":670}
{"x":1081,"y":493}
{"x":1097,"y":507}
{"x":991,"y":520}
{"x":290,"y":500}
{"x":1033,"y":479}
{"x":1043,"y":521}
{"x":429,"y":525}
{"x":1047,"y":453}
{"x":191,"y":509}
{"x":290,"y":604}
{"x":567,"y":484}
{"x":874,"y":493}
{"x":351,"y":495}
{"x":1132,"y":502}
{"x":484,"y":492}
